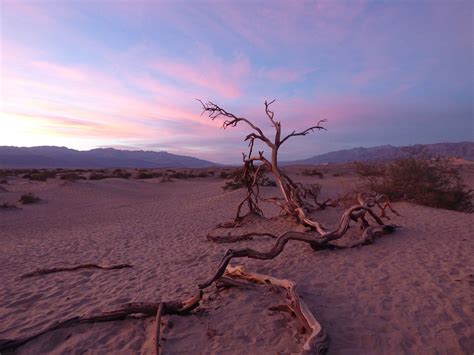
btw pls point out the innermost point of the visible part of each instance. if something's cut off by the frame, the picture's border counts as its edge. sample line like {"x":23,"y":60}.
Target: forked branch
{"x":318,"y":126}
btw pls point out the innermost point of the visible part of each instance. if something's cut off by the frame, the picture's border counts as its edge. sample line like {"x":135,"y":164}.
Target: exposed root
{"x":74,"y":268}
{"x":317,"y":342}
{"x":316,"y":242}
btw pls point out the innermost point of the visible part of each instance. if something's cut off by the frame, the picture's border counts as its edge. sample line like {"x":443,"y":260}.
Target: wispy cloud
{"x":207,"y":71}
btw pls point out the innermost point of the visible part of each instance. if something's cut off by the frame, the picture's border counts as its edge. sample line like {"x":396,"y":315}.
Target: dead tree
{"x":293,"y":197}
{"x":294,"y":200}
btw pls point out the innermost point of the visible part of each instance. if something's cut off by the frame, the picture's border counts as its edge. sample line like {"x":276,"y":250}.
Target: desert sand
{"x":411,"y":292}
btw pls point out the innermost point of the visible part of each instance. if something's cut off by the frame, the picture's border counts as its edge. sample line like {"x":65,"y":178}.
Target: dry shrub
{"x":14,"y":172}
{"x":37,"y":175}
{"x":121,"y":174}
{"x":181,"y":175}
{"x":146,"y":174}
{"x":72,"y":177}
{"x":106,"y":174}
{"x":187,"y":174}
{"x":312,"y":172}
{"x":203,"y":174}
{"x":432,"y":183}
{"x":228,"y":174}
{"x":100,"y":176}
{"x":28,"y":199}
{"x":238,"y":180}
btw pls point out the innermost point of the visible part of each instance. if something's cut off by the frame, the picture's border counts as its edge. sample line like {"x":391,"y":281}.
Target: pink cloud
{"x":61,"y":71}
{"x":85,"y":102}
{"x":207,"y":71}
{"x":57,"y":126}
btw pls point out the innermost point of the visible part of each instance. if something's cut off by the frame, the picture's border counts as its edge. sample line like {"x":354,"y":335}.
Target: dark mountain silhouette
{"x":388,"y":152}
{"x":61,"y":157}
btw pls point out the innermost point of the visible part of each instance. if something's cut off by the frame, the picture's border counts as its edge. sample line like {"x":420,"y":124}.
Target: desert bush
{"x":180,"y":175}
{"x":227,"y":174}
{"x":100,"y":176}
{"x":432,"y":183}
{"x":312,"y":172}
{"x":72,"y":177}
{"x":36,"y":175}
{"x":371,"y":173}
{"x":28,"y":199}
{"x":370,"y":169}
{"x":121,"y":174}
{"x":186,"y":174}
{"x":145,"y":174}
{"x":238,"y":180}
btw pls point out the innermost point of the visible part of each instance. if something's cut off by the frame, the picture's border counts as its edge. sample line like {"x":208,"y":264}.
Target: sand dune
{"x":410,"y":292}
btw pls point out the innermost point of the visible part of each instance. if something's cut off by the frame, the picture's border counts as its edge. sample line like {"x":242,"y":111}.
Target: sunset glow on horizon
{"x":88,"y":74}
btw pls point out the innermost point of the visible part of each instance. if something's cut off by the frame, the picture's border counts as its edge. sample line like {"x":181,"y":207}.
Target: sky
{"x":126,"y":74}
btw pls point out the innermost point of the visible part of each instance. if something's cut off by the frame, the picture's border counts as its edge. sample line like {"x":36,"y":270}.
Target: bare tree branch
{"x":213,"y":110}
{"x":318,"y":127}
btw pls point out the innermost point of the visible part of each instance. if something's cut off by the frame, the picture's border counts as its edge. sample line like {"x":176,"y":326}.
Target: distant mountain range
{"x":388,"y":152}
{"x":61,"y":157}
